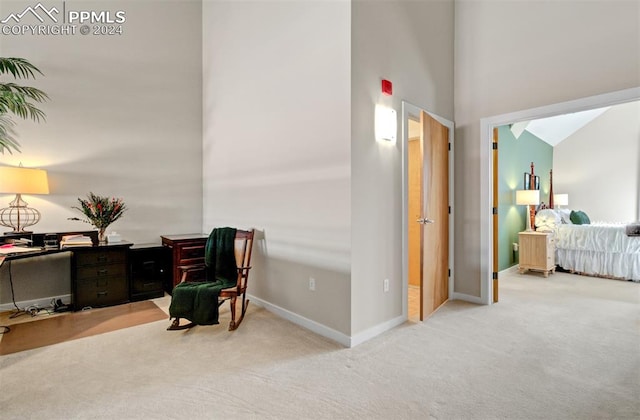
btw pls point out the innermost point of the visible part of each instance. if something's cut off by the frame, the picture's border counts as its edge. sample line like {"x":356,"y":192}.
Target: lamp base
{"x":530,"y":219}
{"x":18,"y":216}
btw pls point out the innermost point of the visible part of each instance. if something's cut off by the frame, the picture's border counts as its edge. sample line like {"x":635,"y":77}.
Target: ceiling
{"x":554,"y":129}
{"x":551,"y":130}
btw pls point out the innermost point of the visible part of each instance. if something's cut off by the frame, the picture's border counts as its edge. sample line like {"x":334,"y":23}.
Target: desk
{"x":99,"y":274}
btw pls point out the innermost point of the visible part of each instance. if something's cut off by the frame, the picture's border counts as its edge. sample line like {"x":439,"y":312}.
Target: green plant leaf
{"x":17,"y":100}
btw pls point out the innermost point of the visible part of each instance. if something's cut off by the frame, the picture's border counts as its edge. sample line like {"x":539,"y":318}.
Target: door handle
{"x":425,"y":221}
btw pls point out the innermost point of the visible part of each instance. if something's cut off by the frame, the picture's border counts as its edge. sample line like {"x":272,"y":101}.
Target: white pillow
{"x":565,"y":216}
{"x":547,"y":220}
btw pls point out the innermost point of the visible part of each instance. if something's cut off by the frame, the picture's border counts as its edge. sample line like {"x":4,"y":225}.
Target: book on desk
{"x":11,"y":249}
{"x":69,"y":241}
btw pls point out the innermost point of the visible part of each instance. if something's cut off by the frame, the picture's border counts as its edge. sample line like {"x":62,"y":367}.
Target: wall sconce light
{"x":386,"y":123}
{"x":528,"y":198}
{"x":561,"y":199}
{"x":19,"y":180}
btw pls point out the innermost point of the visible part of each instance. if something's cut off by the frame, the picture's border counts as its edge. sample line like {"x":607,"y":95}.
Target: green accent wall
{"x":514,"y":159}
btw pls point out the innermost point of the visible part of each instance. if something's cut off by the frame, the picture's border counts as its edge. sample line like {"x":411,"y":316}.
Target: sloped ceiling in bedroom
{"x":555,"y":129}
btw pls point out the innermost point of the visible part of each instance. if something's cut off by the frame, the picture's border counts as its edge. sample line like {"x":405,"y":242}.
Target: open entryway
{"x":427,"y":211}
{"x":489,"y":164}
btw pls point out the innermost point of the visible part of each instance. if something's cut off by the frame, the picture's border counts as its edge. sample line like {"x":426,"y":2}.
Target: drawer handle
{"x":103,"y":271}
{"x":101,"y":294}
{"x":101,"y":258}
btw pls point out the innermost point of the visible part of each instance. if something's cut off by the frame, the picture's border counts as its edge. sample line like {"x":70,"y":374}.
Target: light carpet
{"x":566,"y":347}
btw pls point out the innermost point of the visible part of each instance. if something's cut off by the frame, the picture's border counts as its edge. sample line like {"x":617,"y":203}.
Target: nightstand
{"x":537,"y":252}
{"x":184,"y":250}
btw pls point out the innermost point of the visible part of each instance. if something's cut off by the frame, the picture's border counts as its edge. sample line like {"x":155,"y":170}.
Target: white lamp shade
{"x":386,"y":123}
{"x":19,"y":180}
{"x":528,"y":197}
{"x":561,"y":199}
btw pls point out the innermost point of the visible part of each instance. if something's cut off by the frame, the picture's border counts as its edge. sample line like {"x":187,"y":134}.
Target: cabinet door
{"x":148,"y":273}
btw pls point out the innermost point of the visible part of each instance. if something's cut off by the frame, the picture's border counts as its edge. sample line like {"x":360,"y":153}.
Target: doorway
{"x":489,"y":158}
{"x":427,"y":211}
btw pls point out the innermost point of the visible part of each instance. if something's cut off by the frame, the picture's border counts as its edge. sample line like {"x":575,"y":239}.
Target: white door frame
{"x":410,"y":110}
{"x":486,"y":165}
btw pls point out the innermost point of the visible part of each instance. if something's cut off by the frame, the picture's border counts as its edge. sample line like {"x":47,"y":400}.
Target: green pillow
{"x":579,"y":218}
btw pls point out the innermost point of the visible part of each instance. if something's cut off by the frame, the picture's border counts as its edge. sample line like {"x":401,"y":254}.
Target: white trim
{"x":40,"y":303}
{"x":466,"y":298}
{"x":325,"y":331}
{"x":376,"y":330}
{"x":486,"y":164}
{"x":307,"y":323}
{"x":512,"y":269}
{"x":407,"y":109}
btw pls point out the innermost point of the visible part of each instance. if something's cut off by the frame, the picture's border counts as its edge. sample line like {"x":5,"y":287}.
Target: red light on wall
{"x":387,"y":87}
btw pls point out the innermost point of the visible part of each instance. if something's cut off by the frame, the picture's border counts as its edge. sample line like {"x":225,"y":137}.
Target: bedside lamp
{"x":561,"y":199}
{"x":528,"y":198}
{"x":18,"y":181}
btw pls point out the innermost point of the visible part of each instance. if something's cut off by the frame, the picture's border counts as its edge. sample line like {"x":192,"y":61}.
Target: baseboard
{"x":40,"y":303}
{"x":467,"y":298}
{"x":375,"y":331}
{"x":512,"y":269}
{"x":313,"y":326}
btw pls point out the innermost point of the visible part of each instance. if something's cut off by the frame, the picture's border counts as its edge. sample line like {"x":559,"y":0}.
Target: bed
{"x":596,"y":249}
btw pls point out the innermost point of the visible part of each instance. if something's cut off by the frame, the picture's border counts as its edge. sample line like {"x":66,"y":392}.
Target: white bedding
{"x":598,"y":249}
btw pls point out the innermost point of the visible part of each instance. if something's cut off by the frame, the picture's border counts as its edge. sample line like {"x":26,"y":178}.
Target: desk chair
{"x":226,"y":267}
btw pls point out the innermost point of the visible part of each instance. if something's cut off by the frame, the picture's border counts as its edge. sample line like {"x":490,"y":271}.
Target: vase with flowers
{"x":100,"y":212}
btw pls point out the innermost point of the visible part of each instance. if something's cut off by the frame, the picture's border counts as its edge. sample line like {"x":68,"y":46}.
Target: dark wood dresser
{"x":99,"y":275}
{"x":185,"y":250}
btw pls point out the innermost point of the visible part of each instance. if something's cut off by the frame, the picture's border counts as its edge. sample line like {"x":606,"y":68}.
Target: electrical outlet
{"x":385,"y":285}
{"x":312,"y":284}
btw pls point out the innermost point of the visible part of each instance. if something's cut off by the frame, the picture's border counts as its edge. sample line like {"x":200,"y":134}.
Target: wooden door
{"x":435,"y":216}
{"x":414,"y":234}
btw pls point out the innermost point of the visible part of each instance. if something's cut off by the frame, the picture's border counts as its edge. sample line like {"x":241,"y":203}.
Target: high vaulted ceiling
{"x":557,"y":128}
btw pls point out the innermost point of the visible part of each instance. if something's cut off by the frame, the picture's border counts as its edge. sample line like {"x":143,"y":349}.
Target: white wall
{"x":598,"y":165}
{"x":124,"y":117}
{"x":276,"y":147}
{"x":511,"y":56}
{"x":411,"y":44}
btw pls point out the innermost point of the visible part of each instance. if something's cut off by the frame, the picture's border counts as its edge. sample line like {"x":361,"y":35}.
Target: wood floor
{"x":414,"y":303}
{"x":43,"y":313}
{"x":5,"y":317}
{"x":49,"y":330}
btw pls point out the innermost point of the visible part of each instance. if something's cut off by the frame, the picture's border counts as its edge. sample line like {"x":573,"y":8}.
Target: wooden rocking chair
{"x":243,"y":245}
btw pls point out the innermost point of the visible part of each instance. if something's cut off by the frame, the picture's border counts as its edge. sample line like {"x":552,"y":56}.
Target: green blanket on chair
{"x":198,"y":301}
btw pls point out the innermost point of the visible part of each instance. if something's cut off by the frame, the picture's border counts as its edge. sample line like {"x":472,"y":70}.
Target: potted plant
{"x":100,"y":212}
{"x":17,"y":100}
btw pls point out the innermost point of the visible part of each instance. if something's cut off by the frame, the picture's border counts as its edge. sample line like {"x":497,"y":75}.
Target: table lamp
{"x":561,"y":199}
{"x":18,"y":181}
{"x":528,"y":198}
